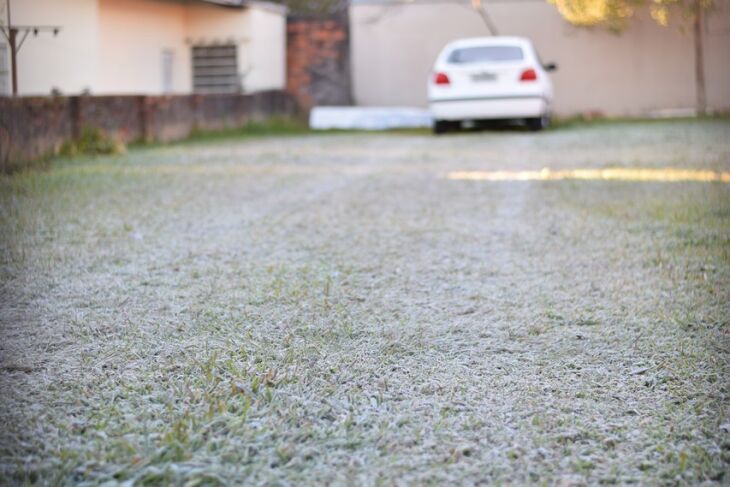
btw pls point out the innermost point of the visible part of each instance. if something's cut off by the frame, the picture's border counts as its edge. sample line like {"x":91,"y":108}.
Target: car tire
{"x":538,"y":123}
{"x":440,"y":127}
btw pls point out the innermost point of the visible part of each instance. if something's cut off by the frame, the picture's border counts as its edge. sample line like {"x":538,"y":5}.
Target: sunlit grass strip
{"x":612,"y":174}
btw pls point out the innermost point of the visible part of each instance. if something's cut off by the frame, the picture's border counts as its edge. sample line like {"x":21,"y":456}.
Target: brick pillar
{"x":318,"y":61}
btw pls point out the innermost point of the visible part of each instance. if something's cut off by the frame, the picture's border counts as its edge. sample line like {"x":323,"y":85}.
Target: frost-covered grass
{"x":310,"y":310}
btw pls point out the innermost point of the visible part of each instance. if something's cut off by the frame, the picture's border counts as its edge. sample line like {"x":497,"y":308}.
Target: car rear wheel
{"x":440,"y":127}
{"x":538,"y":123}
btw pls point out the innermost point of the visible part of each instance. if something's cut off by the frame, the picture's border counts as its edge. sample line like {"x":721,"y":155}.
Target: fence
{"x":32,"y":128}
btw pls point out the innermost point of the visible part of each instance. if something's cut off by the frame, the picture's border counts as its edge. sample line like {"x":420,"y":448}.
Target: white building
{"x":147,"y":46}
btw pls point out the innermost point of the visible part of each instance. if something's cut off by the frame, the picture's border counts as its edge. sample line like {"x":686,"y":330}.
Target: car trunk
{"x":489,"y":79}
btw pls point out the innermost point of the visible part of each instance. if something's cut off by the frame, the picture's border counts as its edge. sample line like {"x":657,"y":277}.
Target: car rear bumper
{"x":503,"y":107}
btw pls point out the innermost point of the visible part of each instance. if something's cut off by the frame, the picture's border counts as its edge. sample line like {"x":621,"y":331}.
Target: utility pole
{"x":11,"y":32}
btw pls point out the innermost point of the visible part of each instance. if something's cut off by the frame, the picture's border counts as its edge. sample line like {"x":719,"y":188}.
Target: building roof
{"x":271,"y":6}
{"x":226,"y":3}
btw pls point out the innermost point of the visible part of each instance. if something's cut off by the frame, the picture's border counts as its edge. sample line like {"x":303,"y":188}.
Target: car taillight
{"x":441,"y":79}
{"x":529,"y":75}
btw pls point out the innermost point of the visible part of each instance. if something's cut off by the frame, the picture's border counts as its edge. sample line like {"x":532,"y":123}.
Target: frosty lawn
{"x":334,"y":308}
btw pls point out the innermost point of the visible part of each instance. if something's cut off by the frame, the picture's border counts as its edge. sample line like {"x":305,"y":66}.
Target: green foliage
{"x":314,"y":7}
{"x":615,"y":14}
{"x":93,"y":141}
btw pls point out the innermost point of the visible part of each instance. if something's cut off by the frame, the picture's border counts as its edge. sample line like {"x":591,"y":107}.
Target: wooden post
{"x":699,"y":59}
{"x":12,"y":38}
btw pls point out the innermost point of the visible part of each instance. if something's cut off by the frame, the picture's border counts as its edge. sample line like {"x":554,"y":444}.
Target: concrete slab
{"x":368,"y":118}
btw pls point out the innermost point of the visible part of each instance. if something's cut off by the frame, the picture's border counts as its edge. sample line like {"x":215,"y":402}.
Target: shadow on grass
{"x":284,"y":127}
{"x":576,"y":123}
{"x":296,"y":127}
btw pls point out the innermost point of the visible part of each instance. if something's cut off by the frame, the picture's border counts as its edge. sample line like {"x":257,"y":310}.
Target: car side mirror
{"x":550,"y":67}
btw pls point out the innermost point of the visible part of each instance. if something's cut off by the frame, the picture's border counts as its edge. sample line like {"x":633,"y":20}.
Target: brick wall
{"x":168,"y":118}
{"x":118,"y":116}
{"x":35,"y":127}
{"x":318,"y":61}
{"x":30,"y":128}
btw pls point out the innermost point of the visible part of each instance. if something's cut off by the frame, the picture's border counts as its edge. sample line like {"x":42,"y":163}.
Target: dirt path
{"x":333,"y":309}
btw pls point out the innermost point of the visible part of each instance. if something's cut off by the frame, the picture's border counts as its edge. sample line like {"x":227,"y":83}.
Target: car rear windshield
{"x":486,"y":54}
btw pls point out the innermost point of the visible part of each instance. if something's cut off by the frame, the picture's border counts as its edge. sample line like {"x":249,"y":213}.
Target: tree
{"x":615,"y":15}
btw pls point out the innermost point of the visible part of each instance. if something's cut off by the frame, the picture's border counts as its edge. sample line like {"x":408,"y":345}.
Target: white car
{"x":490,"y":78}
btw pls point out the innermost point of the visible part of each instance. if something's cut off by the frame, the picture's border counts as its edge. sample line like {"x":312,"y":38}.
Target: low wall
{"x":35,"y":127}
{"x":30,"y":128}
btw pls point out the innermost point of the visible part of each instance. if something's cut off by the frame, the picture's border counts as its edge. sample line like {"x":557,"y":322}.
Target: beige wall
{"x":647,"y":68}
{"x":257,"y":32}
{"x":267,"y":62}
{"x":717,"y":57}
{"x":131,"y":40}
{"x":67,"y":61}
{"x":116,"y":46}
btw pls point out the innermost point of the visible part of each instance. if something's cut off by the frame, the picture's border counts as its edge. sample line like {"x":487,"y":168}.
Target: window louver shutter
{"x":215,"y":69}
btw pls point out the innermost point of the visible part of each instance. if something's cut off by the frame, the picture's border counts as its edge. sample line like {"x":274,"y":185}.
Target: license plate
{"x":480,"y":77}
